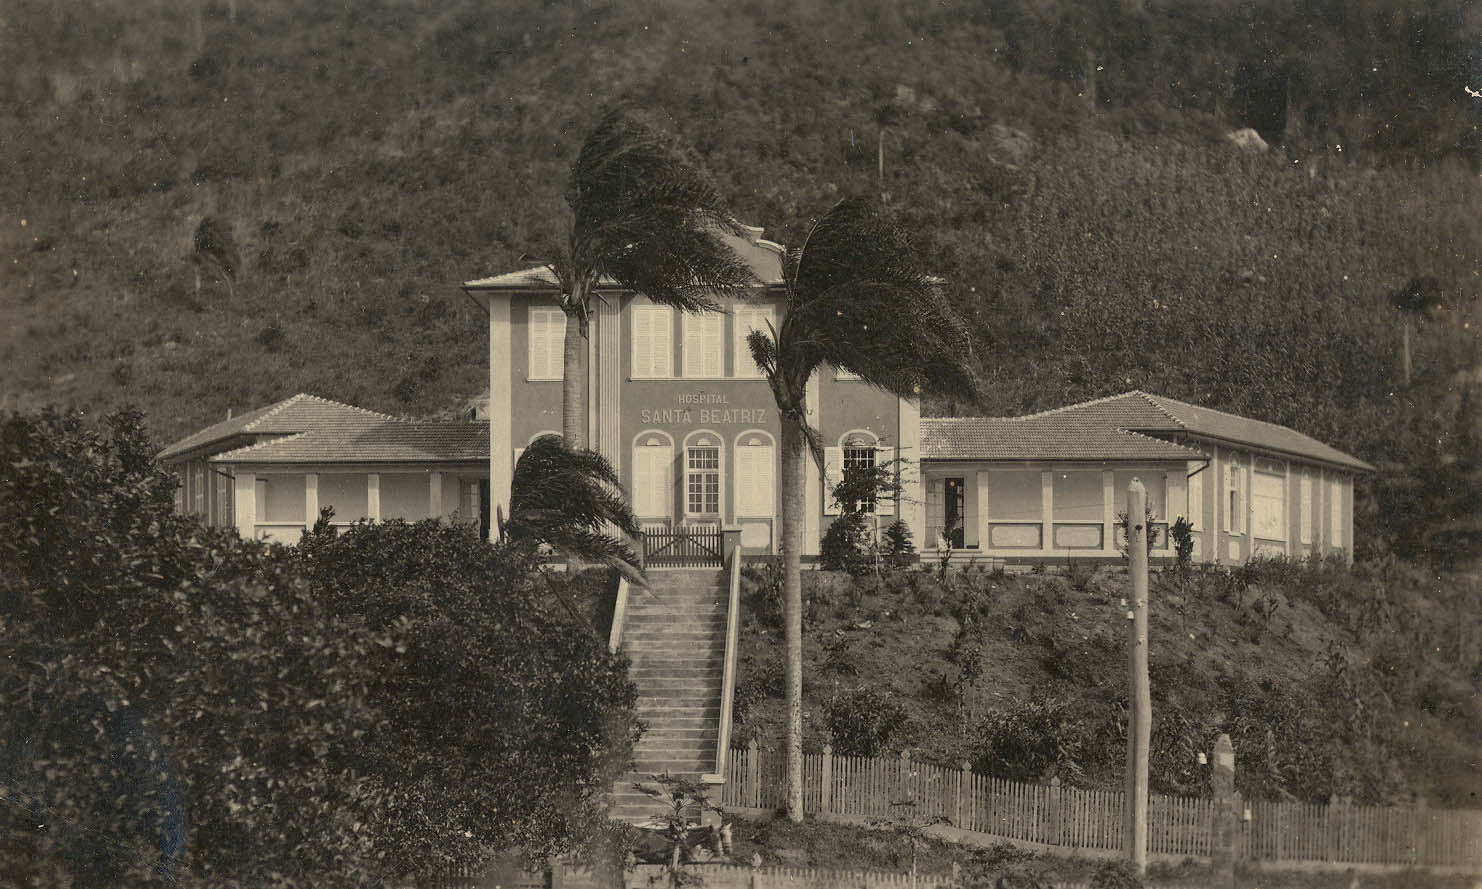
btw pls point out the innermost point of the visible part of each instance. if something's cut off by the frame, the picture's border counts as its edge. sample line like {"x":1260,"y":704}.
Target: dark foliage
{"x":863,"y":721}
{"x":185,"y":705}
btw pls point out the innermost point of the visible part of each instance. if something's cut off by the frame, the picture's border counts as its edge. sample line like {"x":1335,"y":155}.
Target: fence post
{"x":957,"y":802}
{"x":756,"y":871}
{"x":902,"y":793}
{"x":826,"y":788}
{"x":1054,"y":811}
{"x":972,"y":798}
{"x":1228,"y":809}
{"x":753,"y":774}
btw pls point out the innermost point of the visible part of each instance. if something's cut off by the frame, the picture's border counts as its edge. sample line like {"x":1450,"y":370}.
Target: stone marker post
{"x":1228,"y":811}
{"x":1140,"y":713}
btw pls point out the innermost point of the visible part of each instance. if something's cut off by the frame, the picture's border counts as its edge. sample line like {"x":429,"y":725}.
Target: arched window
{"x":702,"y":475}
{"x":652,"y":488}
{"x":756,"y":475}
{"x":857,"y":448}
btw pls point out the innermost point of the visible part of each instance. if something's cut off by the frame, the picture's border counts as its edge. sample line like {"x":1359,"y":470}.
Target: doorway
{"x":953,"y":499}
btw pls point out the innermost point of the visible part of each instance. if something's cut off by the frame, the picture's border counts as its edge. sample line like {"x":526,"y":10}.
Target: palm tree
{"x":1415,"y":301}
{"x":645,"y":216}
{"x":570,"y":500}
{"x":857,"y":298}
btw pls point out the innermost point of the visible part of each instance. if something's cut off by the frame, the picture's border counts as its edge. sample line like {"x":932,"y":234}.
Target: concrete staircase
{"x":675,"y":635}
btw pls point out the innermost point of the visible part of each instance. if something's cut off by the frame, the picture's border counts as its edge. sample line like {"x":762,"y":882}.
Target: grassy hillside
{"x":1065,"y":165}
{"x":1357,"y":684}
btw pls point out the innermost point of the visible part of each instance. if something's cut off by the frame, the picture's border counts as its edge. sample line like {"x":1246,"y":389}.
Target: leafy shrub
{"x":863,"y":721}
{"x":1117,"y":873}
{"x":761,"y":590}
{"x":899,"y":551}
{"x":1182,"y":533}
{"x":1031,"y":741}
{"x":847,"y":545}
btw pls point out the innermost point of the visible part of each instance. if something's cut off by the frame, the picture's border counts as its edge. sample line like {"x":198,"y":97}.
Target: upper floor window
{"x":547,"y":343}
{"x":747,"y":319}
{"x":704,"y":344}
{"x":653,"y":329}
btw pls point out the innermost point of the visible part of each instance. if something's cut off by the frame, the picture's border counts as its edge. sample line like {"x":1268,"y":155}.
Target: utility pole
{"x":1140,"y":714}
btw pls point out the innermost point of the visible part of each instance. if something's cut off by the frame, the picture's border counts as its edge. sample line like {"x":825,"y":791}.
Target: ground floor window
{"x":860,"y":457}
{"x":702,"y":480}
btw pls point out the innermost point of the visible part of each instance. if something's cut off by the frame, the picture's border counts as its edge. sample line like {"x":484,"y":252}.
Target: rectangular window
{"x":652,"y":342}
{"x":859,"y":457}
{"x":651,"y":487}
{"x":1234,"y":499}
{"x":1335,"y":513}
{"x":224,"y":517}
{"x":702,"y":481}
{"x":1268,"y":503}
{"x":1305,"y":506}
{"x":1196,"y":495}
{"x":198,"y":490}
{"x":755,"y":477}
{"x":1015,"y":495}
{"x":1078,"y":496}
{"x":747,"y":319}
{"x":704,"y":344}
{"x":547,"y":343}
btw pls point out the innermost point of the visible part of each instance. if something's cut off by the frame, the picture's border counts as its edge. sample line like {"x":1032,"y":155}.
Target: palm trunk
{"x":794,"y":481}
{"x":574,"y":380}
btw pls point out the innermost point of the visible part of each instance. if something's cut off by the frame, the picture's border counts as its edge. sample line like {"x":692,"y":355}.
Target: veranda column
{"x":501,"y":449}
{"x":244,"y":502}
{"x":311,"y":499}
{"x":373,"y":496}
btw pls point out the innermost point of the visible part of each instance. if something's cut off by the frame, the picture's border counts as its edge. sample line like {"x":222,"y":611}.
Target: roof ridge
{"x":261,"y":444}
{"x":1153,"y":400}
{"x":353,"y":407}
{"x":1162,"y":441}
{"x":1079,"y":404}
{"x":250,"y":425}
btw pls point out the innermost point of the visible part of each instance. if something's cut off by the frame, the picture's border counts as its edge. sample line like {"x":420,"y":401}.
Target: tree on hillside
{"x":644,"y":215}
{"x":214,"y":247}
{"x":1414,"y":302}
{"x":857,"y":297}
{"x":571,"y":500}
{"x":186,"y":706}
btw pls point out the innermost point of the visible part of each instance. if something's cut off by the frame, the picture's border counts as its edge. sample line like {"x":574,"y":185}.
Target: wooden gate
{"x":682,"y":546}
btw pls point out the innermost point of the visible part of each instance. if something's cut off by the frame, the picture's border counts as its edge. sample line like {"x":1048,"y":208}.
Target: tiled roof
{"x":297,"y":414}
{"x":384,"y":441}
{"x":1108,"y":429}
{"x":1059,"y":437}
{"x":1203,"y":421}
{"x":764,"y":257}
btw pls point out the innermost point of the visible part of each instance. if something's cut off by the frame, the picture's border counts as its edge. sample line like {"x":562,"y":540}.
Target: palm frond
{"x":571,"y":500}
{"x":647,"y":216}
{"x":861,"y":299}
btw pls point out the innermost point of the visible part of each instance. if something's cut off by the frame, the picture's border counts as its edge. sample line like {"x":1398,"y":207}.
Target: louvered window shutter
{"x":885,"y":503}
{"x":833,"y":473}
{"x":661,"y":355}
{"x":1196,"y":497}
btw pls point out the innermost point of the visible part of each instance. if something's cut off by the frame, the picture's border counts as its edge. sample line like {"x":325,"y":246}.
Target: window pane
{"x":1077,"y":498}
{"x":1014,"y":495}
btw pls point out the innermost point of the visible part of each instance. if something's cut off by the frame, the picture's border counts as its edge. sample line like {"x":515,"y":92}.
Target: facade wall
{"x":676,"y":403}
{"x":1253,"y":504}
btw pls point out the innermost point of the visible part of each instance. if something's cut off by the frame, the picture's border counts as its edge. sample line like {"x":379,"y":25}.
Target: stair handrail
{"x":619,"y":614}
{"x":728,"y":677}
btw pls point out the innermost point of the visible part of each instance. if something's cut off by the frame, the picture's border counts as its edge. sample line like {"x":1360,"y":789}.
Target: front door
{"x":953,"y":499}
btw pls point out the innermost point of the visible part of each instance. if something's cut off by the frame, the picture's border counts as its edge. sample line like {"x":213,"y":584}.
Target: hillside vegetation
{"x":1357,"y":685}
{"x":211,"y":205}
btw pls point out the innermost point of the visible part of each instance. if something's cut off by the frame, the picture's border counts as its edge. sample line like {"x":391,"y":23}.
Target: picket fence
{"x":869,"y":788}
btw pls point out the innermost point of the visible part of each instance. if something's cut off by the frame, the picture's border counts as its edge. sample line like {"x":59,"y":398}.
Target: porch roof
{"x":386,"y":441}
{"x":292,"y":415}
{"x":1072,"y":438}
